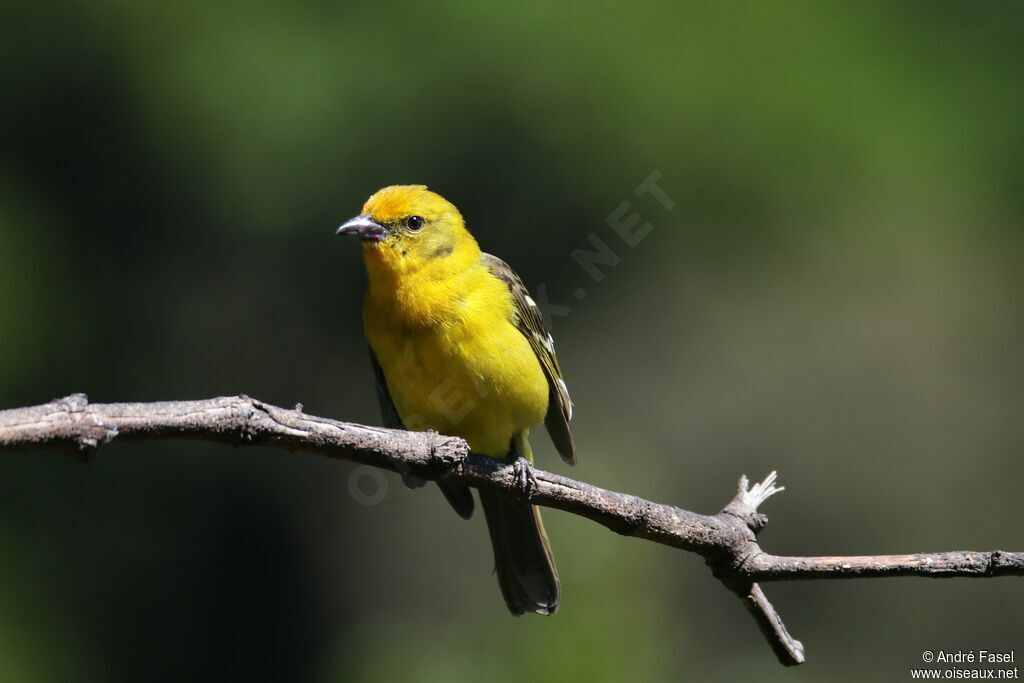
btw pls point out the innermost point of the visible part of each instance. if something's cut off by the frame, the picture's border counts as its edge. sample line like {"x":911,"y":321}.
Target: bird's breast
{"x":458,"y":366}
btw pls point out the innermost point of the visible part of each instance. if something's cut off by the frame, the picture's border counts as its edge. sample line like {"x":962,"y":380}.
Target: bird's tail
{"x":522,"y":556}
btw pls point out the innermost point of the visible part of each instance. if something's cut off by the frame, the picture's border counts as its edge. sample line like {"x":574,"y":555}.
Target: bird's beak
{"x":363,"y":227}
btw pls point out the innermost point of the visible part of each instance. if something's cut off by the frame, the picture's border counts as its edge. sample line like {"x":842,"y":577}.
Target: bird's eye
{"x":414,"y":222}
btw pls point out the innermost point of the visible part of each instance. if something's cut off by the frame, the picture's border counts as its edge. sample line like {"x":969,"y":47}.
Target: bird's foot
{"x":522,"y":470}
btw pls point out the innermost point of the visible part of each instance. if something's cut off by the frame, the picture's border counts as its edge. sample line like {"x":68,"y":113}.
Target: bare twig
{"x":727,"y":540}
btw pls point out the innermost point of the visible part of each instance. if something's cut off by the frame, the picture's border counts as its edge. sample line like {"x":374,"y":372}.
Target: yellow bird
{"x":458,"y":346}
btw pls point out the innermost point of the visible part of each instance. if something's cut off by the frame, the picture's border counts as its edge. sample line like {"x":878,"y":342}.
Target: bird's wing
{"x":459,"y":496}
{"x":530,"y":322}
{"x":387,"y":407}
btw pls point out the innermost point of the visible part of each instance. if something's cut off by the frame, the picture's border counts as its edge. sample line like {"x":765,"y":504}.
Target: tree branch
{"x":727,"y":541}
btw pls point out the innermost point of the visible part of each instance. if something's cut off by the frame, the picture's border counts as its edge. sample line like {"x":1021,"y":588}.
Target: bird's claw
{"x":522,"y":470}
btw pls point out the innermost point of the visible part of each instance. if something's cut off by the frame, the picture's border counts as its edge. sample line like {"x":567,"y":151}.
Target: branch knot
{"x":748,"y":498}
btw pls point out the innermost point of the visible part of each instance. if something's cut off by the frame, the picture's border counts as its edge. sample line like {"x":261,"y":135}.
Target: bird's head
{"x":407,"y":227}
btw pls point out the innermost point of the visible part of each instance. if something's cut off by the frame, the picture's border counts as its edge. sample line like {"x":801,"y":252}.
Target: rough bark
{"x":727,"y":540}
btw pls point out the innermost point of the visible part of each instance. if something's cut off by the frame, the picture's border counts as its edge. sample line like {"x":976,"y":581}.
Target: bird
{"x":458,"y":346}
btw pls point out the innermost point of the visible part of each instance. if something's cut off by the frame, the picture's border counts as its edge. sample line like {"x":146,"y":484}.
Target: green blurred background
{"x":835,"y":295}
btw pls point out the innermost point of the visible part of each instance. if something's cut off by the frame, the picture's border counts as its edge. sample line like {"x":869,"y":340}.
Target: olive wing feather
{"x":530,"y":321}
